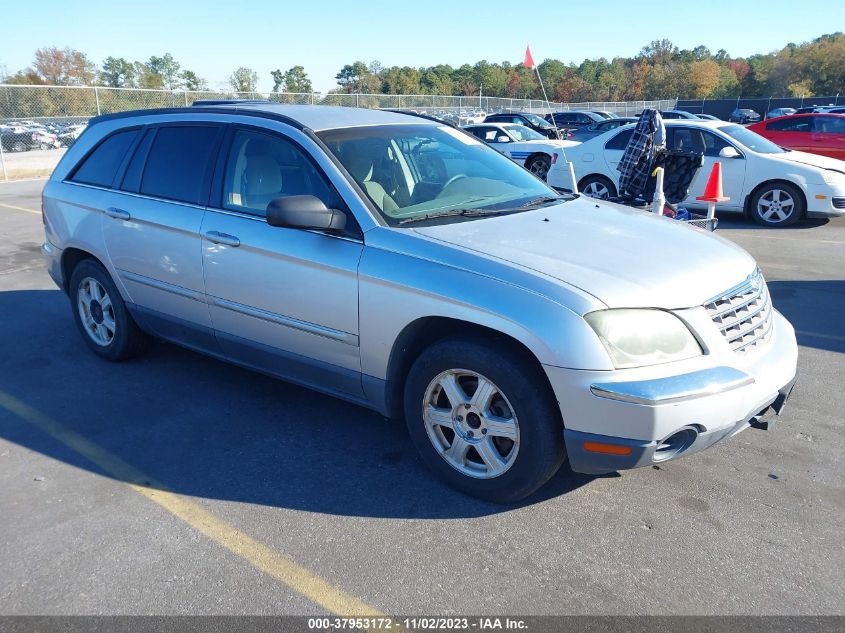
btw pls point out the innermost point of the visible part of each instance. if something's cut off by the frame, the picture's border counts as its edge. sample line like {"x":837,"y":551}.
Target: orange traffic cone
{"x":713,"y":191}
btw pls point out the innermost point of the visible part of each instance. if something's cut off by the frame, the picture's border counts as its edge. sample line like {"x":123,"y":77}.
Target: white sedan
{"x":523,"y":145}
{"x":775,"y":186}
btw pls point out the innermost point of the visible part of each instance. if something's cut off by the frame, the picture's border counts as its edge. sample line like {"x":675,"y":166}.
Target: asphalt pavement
{"x":177,"y":484}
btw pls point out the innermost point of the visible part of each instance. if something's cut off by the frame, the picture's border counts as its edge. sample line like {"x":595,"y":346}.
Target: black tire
{"x":541,"y":450}
{"x":19,"y":146}
{"x":539,"y":166}
{"x":588,"y":182}
{"x":128,"y":339}
{"x":767,"y":192}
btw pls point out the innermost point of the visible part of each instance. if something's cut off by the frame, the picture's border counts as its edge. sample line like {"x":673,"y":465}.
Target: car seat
{"x":359,"y":158}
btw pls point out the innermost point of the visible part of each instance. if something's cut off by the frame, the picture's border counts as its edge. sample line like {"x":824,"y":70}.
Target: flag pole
{"x":529,"y":59}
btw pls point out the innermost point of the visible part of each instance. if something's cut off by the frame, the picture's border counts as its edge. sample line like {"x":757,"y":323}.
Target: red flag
{"x":529,"y":60}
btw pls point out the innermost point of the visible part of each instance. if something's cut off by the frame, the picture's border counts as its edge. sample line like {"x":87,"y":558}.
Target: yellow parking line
{"x":286,"y":571}
{"x":16,"y":208}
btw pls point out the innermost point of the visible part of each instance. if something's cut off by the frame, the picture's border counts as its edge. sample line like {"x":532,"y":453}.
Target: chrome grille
{"x":744,"y":314}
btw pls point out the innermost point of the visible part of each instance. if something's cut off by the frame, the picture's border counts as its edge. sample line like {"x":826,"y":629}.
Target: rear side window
{"x":620,"y":141}
{"x":797,"y":124}
{"x":101,"y":165}
{"x":177,"y":163}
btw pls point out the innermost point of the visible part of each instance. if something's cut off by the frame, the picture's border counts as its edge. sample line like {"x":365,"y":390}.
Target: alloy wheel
{"x":96,"y":311}
{"x":471,"y":424}
{"x":775,"y":206}
{"x":596,"y":189}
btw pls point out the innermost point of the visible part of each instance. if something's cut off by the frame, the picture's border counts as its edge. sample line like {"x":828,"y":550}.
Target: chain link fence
{"x":38,"y":122}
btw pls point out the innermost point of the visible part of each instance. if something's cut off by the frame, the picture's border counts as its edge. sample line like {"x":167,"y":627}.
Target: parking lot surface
{"x":176,"y":484}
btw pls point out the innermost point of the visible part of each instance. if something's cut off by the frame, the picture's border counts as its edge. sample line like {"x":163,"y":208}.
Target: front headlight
{"x":635,"y":338}
{"x":833,"y":177}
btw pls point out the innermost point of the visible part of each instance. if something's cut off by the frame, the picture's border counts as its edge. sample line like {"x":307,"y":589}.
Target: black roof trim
{"x":189,"y":111}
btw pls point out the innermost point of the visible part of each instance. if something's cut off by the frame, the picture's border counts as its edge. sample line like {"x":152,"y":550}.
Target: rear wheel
{"x":596,"y":186}
{"x":777,"y":205}
{"x":19,"y":146}
{"x":101,"y":315}
{"x":539,"y":166}
{"x":483,"y":419}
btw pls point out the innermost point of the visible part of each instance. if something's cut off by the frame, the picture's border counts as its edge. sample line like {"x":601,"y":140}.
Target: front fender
{"x":396,"y":289}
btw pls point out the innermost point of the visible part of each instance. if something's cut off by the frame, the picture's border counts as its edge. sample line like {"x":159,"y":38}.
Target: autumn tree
{"x":63,"y":67}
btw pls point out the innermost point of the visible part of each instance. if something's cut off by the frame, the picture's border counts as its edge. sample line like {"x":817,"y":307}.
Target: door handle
{"x":118,"y":214}
{"x":222,"y":238}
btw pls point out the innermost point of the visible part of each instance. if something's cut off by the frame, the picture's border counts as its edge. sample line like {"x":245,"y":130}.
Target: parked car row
{"x":762,"y":173}
{"x":22,"y":136}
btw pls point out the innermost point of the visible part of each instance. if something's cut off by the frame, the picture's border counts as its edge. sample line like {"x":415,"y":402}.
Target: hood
{"x":622,"y":256}
{"x":813,"y":160}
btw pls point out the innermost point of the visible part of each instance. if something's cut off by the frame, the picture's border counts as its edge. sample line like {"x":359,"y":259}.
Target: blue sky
{"x":213,"y":37}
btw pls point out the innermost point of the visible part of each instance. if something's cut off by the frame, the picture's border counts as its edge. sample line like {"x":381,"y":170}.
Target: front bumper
{"x":825,"y":201}
{"x":631,"y":418}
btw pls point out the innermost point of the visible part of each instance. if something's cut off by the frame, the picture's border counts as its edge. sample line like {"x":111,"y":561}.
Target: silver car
{"x":403,"y":265}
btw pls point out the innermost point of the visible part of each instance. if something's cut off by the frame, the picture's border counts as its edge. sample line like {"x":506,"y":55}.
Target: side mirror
{"x":304,"y":212}
{"x":728,"y":152}
{"x":502,"y":139}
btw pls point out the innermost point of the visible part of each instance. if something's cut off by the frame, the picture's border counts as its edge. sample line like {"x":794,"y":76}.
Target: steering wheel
{"x":453,"y":179}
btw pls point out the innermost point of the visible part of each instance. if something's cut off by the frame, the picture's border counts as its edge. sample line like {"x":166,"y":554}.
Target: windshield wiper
{"x":468,"y":213}
{"x":536,"y":202}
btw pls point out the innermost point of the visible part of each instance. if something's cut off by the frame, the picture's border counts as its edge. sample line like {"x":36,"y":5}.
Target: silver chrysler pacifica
{"x":402,"y":264}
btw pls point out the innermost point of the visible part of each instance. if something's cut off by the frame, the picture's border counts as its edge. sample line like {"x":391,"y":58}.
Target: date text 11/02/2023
{"x":416,"y":623}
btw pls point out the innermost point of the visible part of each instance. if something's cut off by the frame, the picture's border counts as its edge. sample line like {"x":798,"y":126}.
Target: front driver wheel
{"x":777,"y":205}
{"x":481,"y":417}
{"x":539,"y":166}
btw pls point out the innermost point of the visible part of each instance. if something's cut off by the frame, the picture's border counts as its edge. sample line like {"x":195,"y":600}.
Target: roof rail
{"x":216,"y":102}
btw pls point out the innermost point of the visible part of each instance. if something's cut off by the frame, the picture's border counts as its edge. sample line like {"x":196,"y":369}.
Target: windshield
{"x":536,"y":120}
{"x":751,"y":140}
{"x":411,"y":171}
{"x":522,"y":133}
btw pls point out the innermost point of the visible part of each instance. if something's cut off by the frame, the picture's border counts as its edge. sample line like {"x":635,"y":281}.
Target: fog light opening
{"x":675,"y":444}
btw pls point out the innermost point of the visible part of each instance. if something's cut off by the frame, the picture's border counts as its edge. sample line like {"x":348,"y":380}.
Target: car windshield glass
{"x":522,"y":133}
{"x":411,"y":171}
{"x":538,"y":121}
{"x":751,"y":140}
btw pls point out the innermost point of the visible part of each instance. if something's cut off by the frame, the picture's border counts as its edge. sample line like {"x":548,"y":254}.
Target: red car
{"x":816,"y":133}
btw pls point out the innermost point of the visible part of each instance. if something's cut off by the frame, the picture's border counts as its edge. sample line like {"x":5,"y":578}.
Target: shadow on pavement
{"x":733,"y":221}
{"x":816,"y":310}
{"x":208,"y":429}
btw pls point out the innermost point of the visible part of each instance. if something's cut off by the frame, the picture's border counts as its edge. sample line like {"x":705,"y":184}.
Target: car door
{"x":614,"y":149}
{"x":282,"y":300}
{"x":828,"y":136}
{"x":492,"y":136}
{"x":151,"y":228}
{"x":710,"y":144}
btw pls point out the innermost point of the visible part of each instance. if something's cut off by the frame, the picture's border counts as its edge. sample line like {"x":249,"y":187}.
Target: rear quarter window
{"x":100,"y":166}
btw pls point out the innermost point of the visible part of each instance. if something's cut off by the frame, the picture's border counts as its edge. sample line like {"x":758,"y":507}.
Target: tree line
{"x":660,"y":70}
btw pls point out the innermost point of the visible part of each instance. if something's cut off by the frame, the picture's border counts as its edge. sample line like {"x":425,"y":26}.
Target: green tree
{"x":294,"y":79}
{"x":167,"y":69}
{"x":117,"y":72}
{"x":191,"y":81}
{"x":243,"y":80}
